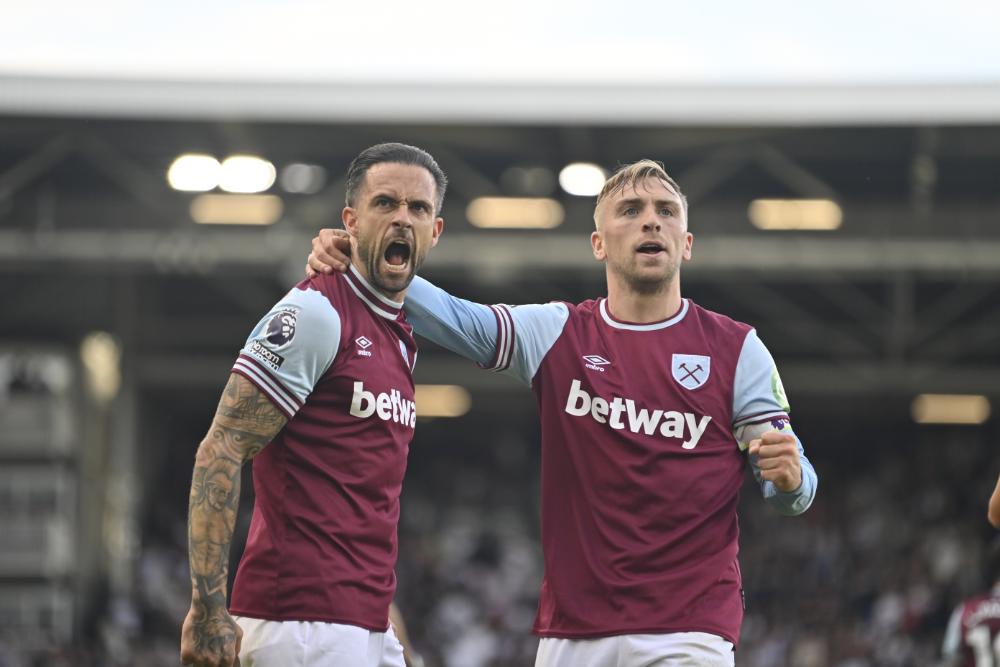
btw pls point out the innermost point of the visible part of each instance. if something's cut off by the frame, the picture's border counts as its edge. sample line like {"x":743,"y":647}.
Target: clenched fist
{"x":210,"y":638}
{"x":778,"y":459}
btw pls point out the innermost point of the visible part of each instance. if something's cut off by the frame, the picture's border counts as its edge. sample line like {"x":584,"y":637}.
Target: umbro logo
{"x":595,"y":362}
{"x":363,"y":345}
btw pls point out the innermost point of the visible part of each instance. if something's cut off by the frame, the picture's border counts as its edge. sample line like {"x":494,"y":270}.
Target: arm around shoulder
{"x":498,"y":337}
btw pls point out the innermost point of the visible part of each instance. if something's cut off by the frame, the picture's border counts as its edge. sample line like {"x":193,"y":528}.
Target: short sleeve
{"x":525,"y":335}
{"x":291,"y":348}
{"x":513,"y":340}
{"x":759,"y":401}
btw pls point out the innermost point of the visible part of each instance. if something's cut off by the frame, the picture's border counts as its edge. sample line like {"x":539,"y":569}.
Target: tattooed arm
{"x":244,"y":423}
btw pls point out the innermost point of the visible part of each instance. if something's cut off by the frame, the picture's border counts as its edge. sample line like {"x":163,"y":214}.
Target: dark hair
{"x":400,"y":154}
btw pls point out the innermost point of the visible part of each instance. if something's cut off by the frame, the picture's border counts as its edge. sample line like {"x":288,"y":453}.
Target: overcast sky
{"x":660,"y":41}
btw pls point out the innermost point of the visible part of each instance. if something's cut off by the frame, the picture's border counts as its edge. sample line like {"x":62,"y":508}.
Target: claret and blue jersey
{"x":973,"y":635}
{"x":337,"y":358}
{"x":644,"y":428}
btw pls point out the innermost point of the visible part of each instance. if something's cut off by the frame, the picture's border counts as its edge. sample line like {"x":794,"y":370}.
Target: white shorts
{"x":675,"y":649}
{"x":313,"y":644}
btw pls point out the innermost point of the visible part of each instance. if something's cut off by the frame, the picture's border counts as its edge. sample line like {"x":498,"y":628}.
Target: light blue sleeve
{"x":759,"y":406}
{"x":509,"y":339}
{"x":291,"y":348}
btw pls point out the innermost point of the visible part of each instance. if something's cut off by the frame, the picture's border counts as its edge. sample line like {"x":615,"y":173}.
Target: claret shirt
{"x":336,"y":358}
{"x":973,"y":635}
{"x":644,"y":431}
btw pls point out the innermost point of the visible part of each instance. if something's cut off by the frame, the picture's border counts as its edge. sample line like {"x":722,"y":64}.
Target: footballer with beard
{"x":321,"y":397}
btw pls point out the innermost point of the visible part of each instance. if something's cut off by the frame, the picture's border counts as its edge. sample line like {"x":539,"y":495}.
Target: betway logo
{"x":671,"y":424}
{"x":391,"y":406}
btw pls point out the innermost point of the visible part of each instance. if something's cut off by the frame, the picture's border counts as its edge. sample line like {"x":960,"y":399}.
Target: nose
{"x":651,"y":225}
{"x":402,"y":216}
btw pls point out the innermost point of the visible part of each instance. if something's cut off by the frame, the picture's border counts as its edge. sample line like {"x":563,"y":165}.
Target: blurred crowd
{"x":866,"y":578}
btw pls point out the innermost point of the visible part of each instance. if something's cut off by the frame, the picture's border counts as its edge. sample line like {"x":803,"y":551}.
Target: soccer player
{"x":973,"y":635}
{"x":993,"y":513}
{"x":651,"y":406}
{"x":321,"y":398}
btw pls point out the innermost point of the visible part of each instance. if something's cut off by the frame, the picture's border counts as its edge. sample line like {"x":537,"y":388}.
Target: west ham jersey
{"x":643,"y":432}
{"x":973,"y":635}
{"x":336,"y":357}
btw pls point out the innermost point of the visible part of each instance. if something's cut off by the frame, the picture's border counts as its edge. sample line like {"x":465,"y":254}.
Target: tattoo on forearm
{"x":244,"y":408}
{"x":245,"y":422}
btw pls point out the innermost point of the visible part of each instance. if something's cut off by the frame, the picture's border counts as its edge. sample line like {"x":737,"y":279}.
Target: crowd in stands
{"x":866,"y":578}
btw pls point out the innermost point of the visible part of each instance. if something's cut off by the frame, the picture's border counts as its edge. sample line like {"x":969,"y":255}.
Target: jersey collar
{"x":631,"y":326}
{"x":378,"y":303}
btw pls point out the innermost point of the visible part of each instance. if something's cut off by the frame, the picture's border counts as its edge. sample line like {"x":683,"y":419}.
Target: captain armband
{"x":747,"y":432}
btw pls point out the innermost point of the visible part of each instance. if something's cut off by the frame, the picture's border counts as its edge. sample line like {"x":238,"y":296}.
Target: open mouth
{"x":397,"y":254}
{"x":649,"y":248}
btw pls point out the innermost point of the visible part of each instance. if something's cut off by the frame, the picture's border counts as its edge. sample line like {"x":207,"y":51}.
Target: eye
{"x":383,"y":202}
{"x":631,"y":210}
{"x":667,"y":211}
{"x":419,"y":207}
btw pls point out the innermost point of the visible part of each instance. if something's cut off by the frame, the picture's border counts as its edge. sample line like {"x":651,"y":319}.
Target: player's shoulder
{"x":978,"y":607}
{"x":573,"y":316}
{"x":717,"y":320}
{"x":348,"y":295}
{"x":588,"y":308}
{"x":990,"y":598}
{"x":332,"y":286}
{"x":312,"y":295}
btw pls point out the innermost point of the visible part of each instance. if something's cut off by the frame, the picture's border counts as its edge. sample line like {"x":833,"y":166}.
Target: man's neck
{"x":627,"y":305}
{"x":398,"y":297}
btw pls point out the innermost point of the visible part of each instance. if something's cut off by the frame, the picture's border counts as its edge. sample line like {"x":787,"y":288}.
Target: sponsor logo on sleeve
{"x":271,"y":358}
{"x":690,"y":370}
{"x":281,"y":328}
{"x":778,"y":390}
{"x":595,"y":362}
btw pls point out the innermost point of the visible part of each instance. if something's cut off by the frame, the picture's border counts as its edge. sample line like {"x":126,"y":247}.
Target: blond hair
{"x":631,"y":175}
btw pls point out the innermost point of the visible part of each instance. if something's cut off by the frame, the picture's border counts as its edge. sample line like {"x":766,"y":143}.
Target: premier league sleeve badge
{"x":281,"y":328}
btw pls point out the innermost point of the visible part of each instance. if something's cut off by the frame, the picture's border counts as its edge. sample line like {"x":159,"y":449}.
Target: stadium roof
{"x":440,"y":61}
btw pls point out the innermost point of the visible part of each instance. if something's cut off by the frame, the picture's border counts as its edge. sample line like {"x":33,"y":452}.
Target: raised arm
{"x":498,"y":337}
{"x":245,"y":421}
{"x":466,"y":328}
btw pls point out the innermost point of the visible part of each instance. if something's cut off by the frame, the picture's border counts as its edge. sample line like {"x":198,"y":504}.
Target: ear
{"x":438,"y":228}
{"x":350,"y":219}
{"x":688,"y":243}
{"x":597,"y":245}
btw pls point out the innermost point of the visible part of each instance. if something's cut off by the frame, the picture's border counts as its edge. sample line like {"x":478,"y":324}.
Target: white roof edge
{"x":330,"y":101}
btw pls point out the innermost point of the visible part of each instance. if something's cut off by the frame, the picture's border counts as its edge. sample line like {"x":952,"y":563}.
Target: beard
{"x":370,"y":257}
{"x":646,"y":283}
